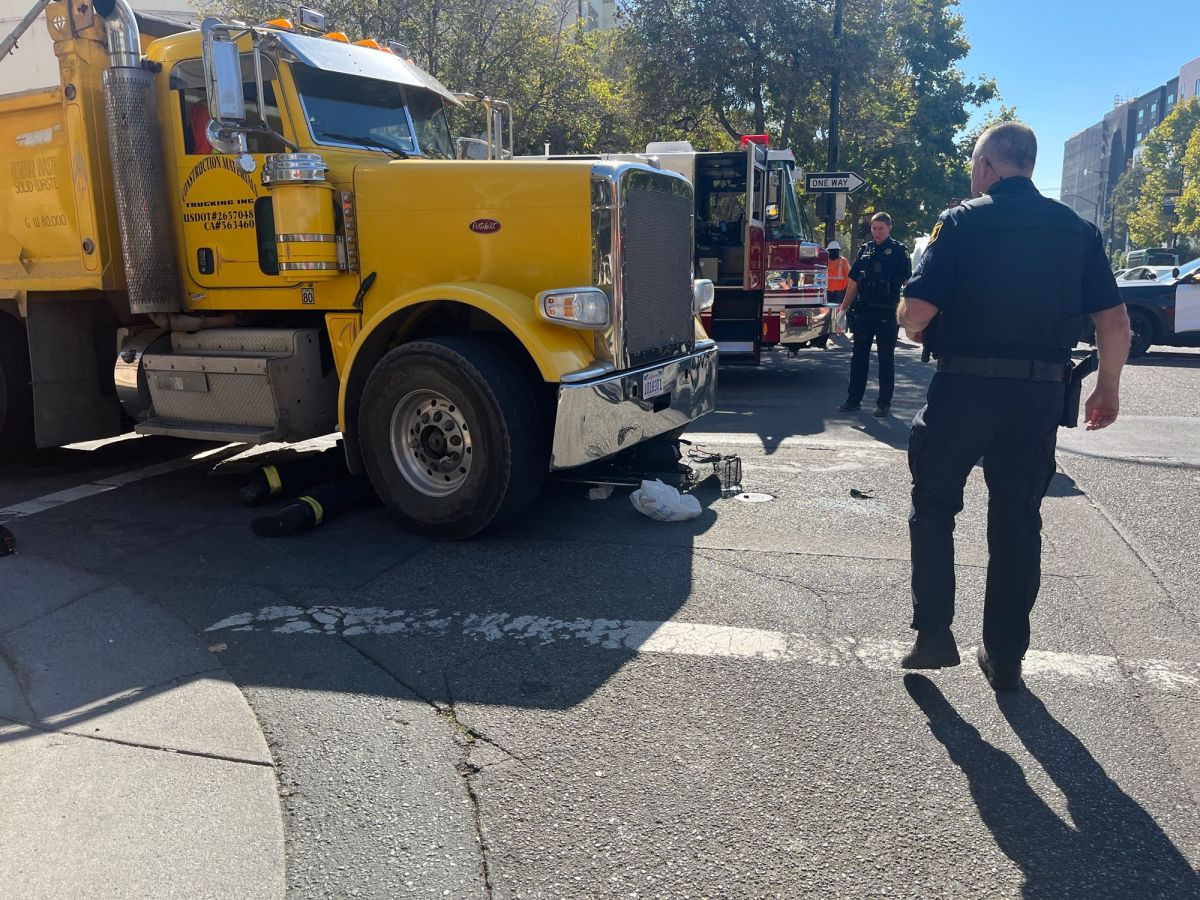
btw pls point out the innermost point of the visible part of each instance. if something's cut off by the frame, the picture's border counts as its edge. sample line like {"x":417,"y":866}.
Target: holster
{"x":852,"y":315}
{"x":1080,"y":371}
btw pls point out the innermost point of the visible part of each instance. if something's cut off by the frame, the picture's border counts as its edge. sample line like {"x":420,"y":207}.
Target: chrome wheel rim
{"x":431,"y":443}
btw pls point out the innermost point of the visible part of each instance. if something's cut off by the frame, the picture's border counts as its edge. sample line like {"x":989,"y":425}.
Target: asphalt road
{"x":591,"y":704}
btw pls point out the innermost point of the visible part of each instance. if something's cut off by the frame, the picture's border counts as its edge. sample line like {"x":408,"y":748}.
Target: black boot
{"x":1001,"y":676}
{"x":934,"y":648}
{"x":295,"y":518}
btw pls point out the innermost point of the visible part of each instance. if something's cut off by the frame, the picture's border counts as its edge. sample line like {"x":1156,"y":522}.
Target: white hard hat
{"x":834,"y":245}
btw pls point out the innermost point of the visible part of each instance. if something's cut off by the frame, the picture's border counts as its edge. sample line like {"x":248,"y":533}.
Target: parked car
{"x":1144,"y":273}
{"x":1165,"y":311}
{"x":1118,"y":273}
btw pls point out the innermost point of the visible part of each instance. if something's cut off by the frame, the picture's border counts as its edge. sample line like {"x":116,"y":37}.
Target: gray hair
{"x":1013,"y":143}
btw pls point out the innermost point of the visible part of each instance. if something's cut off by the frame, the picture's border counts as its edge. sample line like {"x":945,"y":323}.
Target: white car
{"x":1144,"y":273}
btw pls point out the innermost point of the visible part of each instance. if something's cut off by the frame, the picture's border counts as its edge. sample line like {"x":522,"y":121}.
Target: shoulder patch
{"x":933,"y":235}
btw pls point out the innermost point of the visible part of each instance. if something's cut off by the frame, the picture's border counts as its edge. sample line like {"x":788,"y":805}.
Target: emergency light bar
{"x":764,"y":139}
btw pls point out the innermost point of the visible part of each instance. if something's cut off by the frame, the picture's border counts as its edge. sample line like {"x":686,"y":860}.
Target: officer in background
{"x":838,"y":273}
{"x":876,"y":277}
{"x":1004,"y":358}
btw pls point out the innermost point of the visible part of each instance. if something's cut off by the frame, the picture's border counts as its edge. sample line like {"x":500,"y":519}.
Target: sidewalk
{"x":130,"y":764}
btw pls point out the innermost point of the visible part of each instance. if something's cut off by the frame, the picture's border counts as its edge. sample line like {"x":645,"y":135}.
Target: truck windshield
{"x":790,"y":223}
{"x":338,"y":107}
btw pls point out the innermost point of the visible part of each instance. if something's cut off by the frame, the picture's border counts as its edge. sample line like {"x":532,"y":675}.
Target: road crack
{"x":139,"y":745}
{"x":464,"y":734}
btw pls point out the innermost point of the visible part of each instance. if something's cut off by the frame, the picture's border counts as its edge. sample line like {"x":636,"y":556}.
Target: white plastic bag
{"x":663,"y":503}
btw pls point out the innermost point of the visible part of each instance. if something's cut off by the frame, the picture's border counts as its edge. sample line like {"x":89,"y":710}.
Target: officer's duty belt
{"x":1022,"y":369}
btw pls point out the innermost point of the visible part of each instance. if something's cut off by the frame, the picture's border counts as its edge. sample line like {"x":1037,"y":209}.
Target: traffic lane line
{"x":685,"y":638}
{"x":109,"y":483}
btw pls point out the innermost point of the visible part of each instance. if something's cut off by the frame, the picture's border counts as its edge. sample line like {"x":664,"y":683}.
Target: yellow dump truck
{"x":262,"y":233}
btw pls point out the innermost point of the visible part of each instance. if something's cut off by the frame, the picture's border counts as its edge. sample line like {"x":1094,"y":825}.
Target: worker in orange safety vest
{"x":838,"y":273}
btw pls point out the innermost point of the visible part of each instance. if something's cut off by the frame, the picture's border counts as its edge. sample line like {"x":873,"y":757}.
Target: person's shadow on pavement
{"x":1113,"y":849}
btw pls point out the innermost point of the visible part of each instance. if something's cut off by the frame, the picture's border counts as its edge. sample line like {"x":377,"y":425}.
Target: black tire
{"x":16,"y":390}
{"x":1143,"y":332}
{"x":489,"y":413}
{"x":822,"y":342}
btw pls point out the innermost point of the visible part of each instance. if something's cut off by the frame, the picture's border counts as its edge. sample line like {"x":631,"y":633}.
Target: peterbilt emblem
{"x":485,"y":226}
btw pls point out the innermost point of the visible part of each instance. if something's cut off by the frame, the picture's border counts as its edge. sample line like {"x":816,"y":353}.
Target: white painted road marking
{"x":686,"y":638}
{"x":108,"y":483}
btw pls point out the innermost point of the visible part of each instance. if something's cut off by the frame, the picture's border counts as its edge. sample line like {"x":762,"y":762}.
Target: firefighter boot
{"x":934,"y":648}
{"x":295,"y":518}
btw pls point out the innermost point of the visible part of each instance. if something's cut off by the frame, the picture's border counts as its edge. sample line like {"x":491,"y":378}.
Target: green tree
{"x":766,"y":67}
{"x":1163,"y":161}
{"x":1188,"y":206}
{"x":903,"y":121}
{"x":535,"y":55}
{"x":1123,"y":202}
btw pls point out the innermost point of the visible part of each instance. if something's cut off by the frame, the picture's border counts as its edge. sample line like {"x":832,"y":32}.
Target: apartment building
{"x":1095,"y":158}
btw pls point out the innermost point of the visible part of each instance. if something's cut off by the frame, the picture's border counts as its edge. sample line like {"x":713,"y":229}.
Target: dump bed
{"x":55,"y":233}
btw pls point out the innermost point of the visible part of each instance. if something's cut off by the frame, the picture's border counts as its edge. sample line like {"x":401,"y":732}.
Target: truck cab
{"x":260,"y":233}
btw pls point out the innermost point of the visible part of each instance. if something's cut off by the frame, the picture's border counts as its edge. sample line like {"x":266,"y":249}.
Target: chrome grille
{"x":656,"y":242}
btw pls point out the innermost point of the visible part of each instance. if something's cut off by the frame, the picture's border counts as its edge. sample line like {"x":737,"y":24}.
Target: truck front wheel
{"x":451,"y":436}
{"x":16,"y":391}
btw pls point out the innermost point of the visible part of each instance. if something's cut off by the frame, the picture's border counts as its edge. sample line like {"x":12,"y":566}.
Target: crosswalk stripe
{"x":683,"y":638}
{"x":108,"y":483}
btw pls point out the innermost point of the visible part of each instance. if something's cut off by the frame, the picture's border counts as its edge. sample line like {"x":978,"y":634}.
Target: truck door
{"x":731,"y":246}
{"x":754,"y":239}
{"x":223,"y":207}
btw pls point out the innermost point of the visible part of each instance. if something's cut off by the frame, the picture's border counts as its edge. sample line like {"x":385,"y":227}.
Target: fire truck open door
{"x":754,"y":239}
{"x":731,"y":190}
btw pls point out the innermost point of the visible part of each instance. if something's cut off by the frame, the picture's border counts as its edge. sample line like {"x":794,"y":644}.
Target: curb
{"x":130,"y":763}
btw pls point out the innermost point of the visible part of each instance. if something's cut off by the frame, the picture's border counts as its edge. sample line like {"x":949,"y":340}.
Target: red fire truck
{"x":755,"y":244}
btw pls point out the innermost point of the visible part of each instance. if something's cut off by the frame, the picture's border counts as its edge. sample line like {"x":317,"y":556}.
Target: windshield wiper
{"x":369,"y":141}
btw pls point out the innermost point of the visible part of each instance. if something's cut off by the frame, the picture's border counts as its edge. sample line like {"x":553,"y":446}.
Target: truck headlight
{"x":577,"y":307}
{"x":703,"y":295}
{"x":808,"y":251}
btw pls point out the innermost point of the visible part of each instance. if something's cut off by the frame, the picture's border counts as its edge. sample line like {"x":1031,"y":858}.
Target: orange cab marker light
{"x":369,"y":42}
{"x":337,"y":36}
{"x":283,"y":24}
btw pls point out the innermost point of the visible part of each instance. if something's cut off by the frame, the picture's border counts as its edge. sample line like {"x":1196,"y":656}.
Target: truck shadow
{"x":540,"y":614}
{"x":1111,"y":848}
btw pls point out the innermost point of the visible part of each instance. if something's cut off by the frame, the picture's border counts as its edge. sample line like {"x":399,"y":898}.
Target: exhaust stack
{"x":138,"y":169}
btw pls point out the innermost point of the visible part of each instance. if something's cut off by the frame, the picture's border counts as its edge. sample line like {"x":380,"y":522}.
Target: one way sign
{"x":832,"y":182}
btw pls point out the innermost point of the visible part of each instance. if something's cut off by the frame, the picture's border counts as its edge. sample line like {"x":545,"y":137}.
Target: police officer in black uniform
{"x":873,"y":291}
{"x":1003,"y":346}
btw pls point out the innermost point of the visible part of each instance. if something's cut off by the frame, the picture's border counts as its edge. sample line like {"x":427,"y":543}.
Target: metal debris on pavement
{"x":727,"y":469}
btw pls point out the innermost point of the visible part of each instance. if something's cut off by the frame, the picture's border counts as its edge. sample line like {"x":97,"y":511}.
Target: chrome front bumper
{"x":598,"y":418}
{"x":799,"y":325}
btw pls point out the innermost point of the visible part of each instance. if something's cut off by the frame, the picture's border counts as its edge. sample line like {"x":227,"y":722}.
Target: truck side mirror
{"x":223,"y":84}
{"x":222,"y":73}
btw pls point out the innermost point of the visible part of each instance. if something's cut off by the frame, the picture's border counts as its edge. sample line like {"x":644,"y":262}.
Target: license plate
{"x":652,"y":384}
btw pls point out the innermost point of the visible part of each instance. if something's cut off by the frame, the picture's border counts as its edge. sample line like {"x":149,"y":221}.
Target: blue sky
{"x":1060,"y":62}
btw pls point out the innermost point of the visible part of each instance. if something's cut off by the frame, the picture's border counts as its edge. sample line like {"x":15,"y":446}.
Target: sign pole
{"x":835,"y":92}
